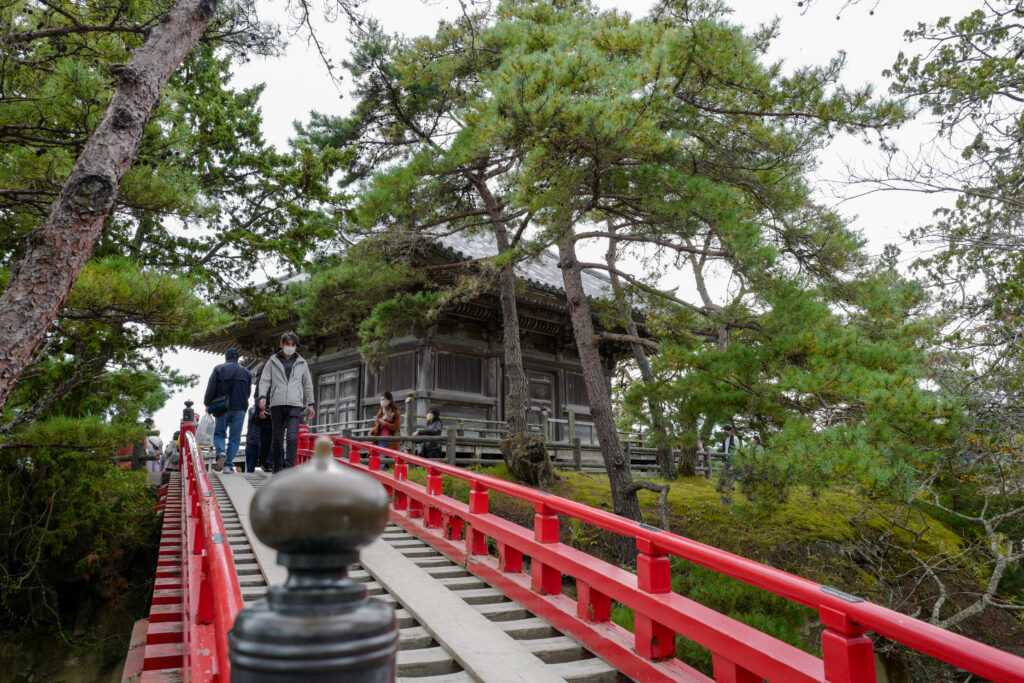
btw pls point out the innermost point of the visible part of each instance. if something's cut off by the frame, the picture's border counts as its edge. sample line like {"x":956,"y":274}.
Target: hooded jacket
{"x":280,"y":389}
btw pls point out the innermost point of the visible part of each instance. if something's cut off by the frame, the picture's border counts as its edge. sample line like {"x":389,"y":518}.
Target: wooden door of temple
{"x":540,"y":395}
{"x":338,"y":398}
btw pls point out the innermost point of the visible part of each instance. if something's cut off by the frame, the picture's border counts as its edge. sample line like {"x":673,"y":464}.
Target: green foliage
{"x":839,"y":396}
{"x":342,"y":291}
{"x":73,"y":519}
{"x":393,"y":317}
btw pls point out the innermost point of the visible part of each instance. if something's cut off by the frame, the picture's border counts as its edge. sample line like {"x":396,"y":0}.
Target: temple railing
{"x":740,"y":653}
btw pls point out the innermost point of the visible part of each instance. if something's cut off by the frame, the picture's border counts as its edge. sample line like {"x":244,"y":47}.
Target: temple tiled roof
{"x":541,"y":272}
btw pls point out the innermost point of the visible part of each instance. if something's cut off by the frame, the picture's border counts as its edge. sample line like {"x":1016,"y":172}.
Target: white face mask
{"x":383,"y":403}
{"x":288,"y":350}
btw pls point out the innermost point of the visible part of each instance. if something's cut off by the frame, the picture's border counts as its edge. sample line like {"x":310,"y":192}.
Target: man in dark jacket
{"x":234,"y":381}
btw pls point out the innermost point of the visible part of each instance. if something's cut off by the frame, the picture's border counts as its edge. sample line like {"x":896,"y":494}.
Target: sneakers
{"x":218,"y":466}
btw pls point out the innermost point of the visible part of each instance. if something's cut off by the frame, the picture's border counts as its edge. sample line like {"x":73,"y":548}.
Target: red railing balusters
{"x":212,"y":596}
{"x":654,"y":640}
{"x":400,"y":500}
{"x":509,"y":559}
{"x":452,"y":527}
{"x":727,"y":671}
{"x":479,"y":503}
{"x":374,"y":460}
{"x":204,"y":609}
{"x":849,"y":654}
{"x":591,"y":604}
{"x":740,"y":654}
{"x":198,"y":543}
{"x":546,"y":579}
{"x":432,"y":520}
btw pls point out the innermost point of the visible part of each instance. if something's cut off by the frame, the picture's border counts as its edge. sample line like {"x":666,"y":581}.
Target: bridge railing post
{"x":546,"y":579}
{"x":303,"y":445}
{"x":432,"y":518}
{"x":479,"y":503}
{"x":654,"y":640}
{"x":848,"y":654}
{"x":320,"y":625}
{"x":401,"y":473}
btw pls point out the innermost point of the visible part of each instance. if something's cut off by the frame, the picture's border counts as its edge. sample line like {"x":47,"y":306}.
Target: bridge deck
{"x":453,"y":626}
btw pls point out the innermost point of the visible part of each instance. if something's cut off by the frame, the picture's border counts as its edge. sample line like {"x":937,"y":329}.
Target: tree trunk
{"x":516,"y":391}
{"x":624,"y":500}
{"x":61,"y":245}
{"x":525,"y":455}
{"x":666,"y":466}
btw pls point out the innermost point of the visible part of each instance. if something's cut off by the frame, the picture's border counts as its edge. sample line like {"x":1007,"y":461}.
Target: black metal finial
{"x":188,"y":415}
{"x":320,"y":625}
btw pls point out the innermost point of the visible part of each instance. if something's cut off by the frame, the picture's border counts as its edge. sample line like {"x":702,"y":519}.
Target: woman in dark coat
{"x":431,"y":449}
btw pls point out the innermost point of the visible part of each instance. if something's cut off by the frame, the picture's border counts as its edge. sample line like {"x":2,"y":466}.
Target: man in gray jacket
{"x":286,"y":387}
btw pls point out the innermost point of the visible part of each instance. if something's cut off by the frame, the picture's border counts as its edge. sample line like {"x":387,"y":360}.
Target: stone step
{"x":248,"y":580}
{"x":432,"y":561}
{"x":460,"y":677}
{"x":414,"y":638}
{"x":425,"y":551}
{"x":427,"y":661}
{"x":404,"y":619}
{"x":591,"y":670}
{"x":446,"y":571}
{"x":250,"y":593}
{"x":503,"y":611}
{"x":461,"y":583}
{"x":481,"y":596}
{"x":524,"y":629}
{"x":555,"y":650}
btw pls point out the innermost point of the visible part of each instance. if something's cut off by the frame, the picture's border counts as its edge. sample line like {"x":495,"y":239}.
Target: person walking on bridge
{"x":227,"y":398}
{"x":286,"y":387}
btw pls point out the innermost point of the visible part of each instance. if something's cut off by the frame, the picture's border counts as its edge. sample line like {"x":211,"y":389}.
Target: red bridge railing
{"x":740,"y":653}
{"x":212,"y":596}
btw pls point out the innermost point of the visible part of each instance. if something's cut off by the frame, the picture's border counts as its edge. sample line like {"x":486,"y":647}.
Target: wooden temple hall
{"x":456,"y":364}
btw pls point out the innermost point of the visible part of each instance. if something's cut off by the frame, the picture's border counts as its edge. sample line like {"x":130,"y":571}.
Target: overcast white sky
{"x":297,"y":84}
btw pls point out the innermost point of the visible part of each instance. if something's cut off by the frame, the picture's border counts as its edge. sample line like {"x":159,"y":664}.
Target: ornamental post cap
{"x":320,"y":507}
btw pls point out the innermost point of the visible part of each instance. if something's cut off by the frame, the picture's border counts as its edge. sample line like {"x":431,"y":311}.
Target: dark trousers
{"x":252,"y":451}
{"x":285,"y":418}
{"x":266,"y":440}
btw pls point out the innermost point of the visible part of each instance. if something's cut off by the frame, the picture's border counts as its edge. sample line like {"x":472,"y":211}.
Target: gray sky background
{"x":297,"y":84}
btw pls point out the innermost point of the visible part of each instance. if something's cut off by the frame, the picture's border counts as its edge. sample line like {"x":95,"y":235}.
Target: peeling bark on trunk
{"x":624,"y":500}
{"x":666,"y":466}
{"x":60,"y":246}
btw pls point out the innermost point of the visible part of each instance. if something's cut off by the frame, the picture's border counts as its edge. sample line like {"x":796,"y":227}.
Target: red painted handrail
{"x":740,"y":653}
{"x":212,"y":594}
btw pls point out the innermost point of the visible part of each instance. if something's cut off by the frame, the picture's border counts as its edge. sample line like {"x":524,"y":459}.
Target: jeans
{"x":230,"y":422}
{"x":285,"y":418}
{"x":252,"y":453}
